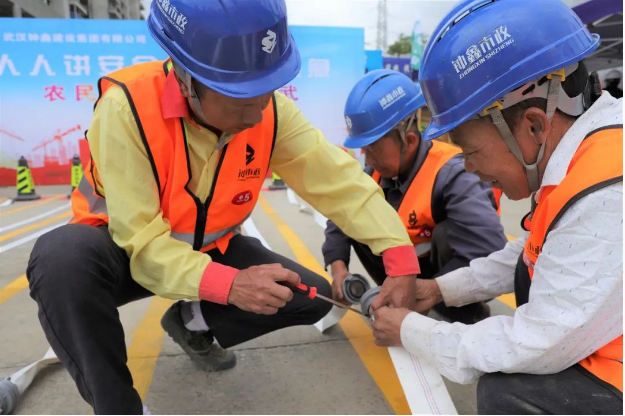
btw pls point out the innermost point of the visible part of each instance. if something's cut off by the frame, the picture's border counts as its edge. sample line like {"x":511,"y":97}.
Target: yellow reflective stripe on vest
{"x":423,"y":248}
{"x":209,"y":238}
{"x":97,"y":205}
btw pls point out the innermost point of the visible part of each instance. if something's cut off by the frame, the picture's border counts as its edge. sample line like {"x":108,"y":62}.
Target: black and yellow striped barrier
{"x":276,"y":183}
{"x":25,"y":184}
{"x":76,"y":174}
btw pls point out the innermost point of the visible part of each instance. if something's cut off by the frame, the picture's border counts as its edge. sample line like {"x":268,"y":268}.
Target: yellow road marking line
{"x":146,"y":345}
{"x":13,"y":288}
{"x":34,"y":226}
{"x":376,"y":360}
{"x":509,"y":299}
{"x":32,"y":205}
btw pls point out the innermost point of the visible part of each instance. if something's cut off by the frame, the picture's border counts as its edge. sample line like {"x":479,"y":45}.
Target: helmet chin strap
{"x":531,"y":169}
{"x":194,"y":100}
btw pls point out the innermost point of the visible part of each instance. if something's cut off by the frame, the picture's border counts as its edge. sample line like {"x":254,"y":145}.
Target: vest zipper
{"x":202,"y":215}
{"x":200,"y":225}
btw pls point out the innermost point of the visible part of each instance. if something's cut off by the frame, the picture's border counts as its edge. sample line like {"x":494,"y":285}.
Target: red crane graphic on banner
{"x":58,"y":138}
{"x":12,"y":135}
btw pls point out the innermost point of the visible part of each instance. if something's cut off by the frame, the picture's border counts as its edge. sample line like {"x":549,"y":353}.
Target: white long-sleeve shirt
{"x":576,"y":298}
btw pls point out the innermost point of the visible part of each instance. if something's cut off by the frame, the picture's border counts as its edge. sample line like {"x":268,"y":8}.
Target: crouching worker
{"x":533,"y":120}
{"x":450,"y":215}
{"x":180,"y":150}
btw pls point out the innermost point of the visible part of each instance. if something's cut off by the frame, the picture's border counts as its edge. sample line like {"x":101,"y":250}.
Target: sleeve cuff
{"x":216,"y":283}
{"x":401,"y":261}
{"x":331,"y":260}
{"x":453,"y":287}
{"x":415,"y":333}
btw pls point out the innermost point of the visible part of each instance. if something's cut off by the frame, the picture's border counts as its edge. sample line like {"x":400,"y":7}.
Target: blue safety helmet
{"x":483,"y":50}
{"x":238,"y":48}
{"x":379,"y":102}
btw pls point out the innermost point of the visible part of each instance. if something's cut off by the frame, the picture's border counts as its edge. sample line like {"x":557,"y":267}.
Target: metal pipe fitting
{"x":354,"y":287}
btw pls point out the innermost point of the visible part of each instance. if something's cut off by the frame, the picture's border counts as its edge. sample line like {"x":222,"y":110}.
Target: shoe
{"x":200,"y":346}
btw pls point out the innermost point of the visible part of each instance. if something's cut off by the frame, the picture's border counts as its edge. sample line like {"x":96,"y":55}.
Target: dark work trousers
{"x":78,"y":276}
{"x":440,"y":254}
{"x":574,"y":391}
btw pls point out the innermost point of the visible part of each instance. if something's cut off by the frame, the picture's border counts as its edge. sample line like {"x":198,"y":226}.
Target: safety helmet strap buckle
{"x":561,"y":72}
{"x":496,"y":105}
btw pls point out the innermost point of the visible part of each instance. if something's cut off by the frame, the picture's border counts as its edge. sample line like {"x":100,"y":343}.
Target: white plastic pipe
{"x":12,"y":388}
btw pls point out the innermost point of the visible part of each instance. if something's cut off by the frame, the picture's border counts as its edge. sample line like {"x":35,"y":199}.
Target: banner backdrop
{"x":398,"y":64}
{"x":374,"y":60}
{"x":48,"y":83}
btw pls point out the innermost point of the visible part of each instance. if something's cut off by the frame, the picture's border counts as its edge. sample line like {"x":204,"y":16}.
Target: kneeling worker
{"x":533,"y":121}
{"x":450,"y":215}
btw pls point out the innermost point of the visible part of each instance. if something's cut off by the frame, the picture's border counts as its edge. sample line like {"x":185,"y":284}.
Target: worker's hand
{"x":428,"y":295}
{"x":339,"y":273}
{"x":387,"y":326}
{"x":256,"y":289}
{"x":397,"y":292}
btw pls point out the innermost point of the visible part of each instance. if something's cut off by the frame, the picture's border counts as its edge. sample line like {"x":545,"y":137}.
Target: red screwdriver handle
{"x":309,"y":291}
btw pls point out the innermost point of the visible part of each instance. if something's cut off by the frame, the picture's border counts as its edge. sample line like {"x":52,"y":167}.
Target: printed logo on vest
{"x":249,"y":155}
{"x":426,"y":232}
{"x":249,"y":173}
{"x":535,"y":250}
{"x":242,"y":198}
{"x":412,"y":220}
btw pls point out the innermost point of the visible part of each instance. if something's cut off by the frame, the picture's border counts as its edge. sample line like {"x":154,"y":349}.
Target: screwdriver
{"x":311,"y":293}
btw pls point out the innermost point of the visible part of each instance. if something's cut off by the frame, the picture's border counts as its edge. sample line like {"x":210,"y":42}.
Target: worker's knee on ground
{"x":324,"y":289}
{"x":441,"y":242}
{"x":59,"y":254}
{"x":438,"y":233}
{"x":319,"y":308}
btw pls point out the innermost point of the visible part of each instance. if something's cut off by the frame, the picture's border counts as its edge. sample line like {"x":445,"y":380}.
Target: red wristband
{"x":401,"y":261}
{"x":216,"y":283}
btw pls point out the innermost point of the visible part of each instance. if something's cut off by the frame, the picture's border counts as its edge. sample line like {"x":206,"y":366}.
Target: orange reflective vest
{"x":239,"y":176}
{"x":596,"y":164}
{"x":415,"y":209}
{"x":497,"y":194}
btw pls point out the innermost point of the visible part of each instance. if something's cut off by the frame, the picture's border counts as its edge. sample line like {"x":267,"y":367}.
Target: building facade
{"x":73,"y":9}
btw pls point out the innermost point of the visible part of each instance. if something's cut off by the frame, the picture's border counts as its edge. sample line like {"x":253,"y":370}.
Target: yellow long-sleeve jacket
{"x":322,"y":174}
